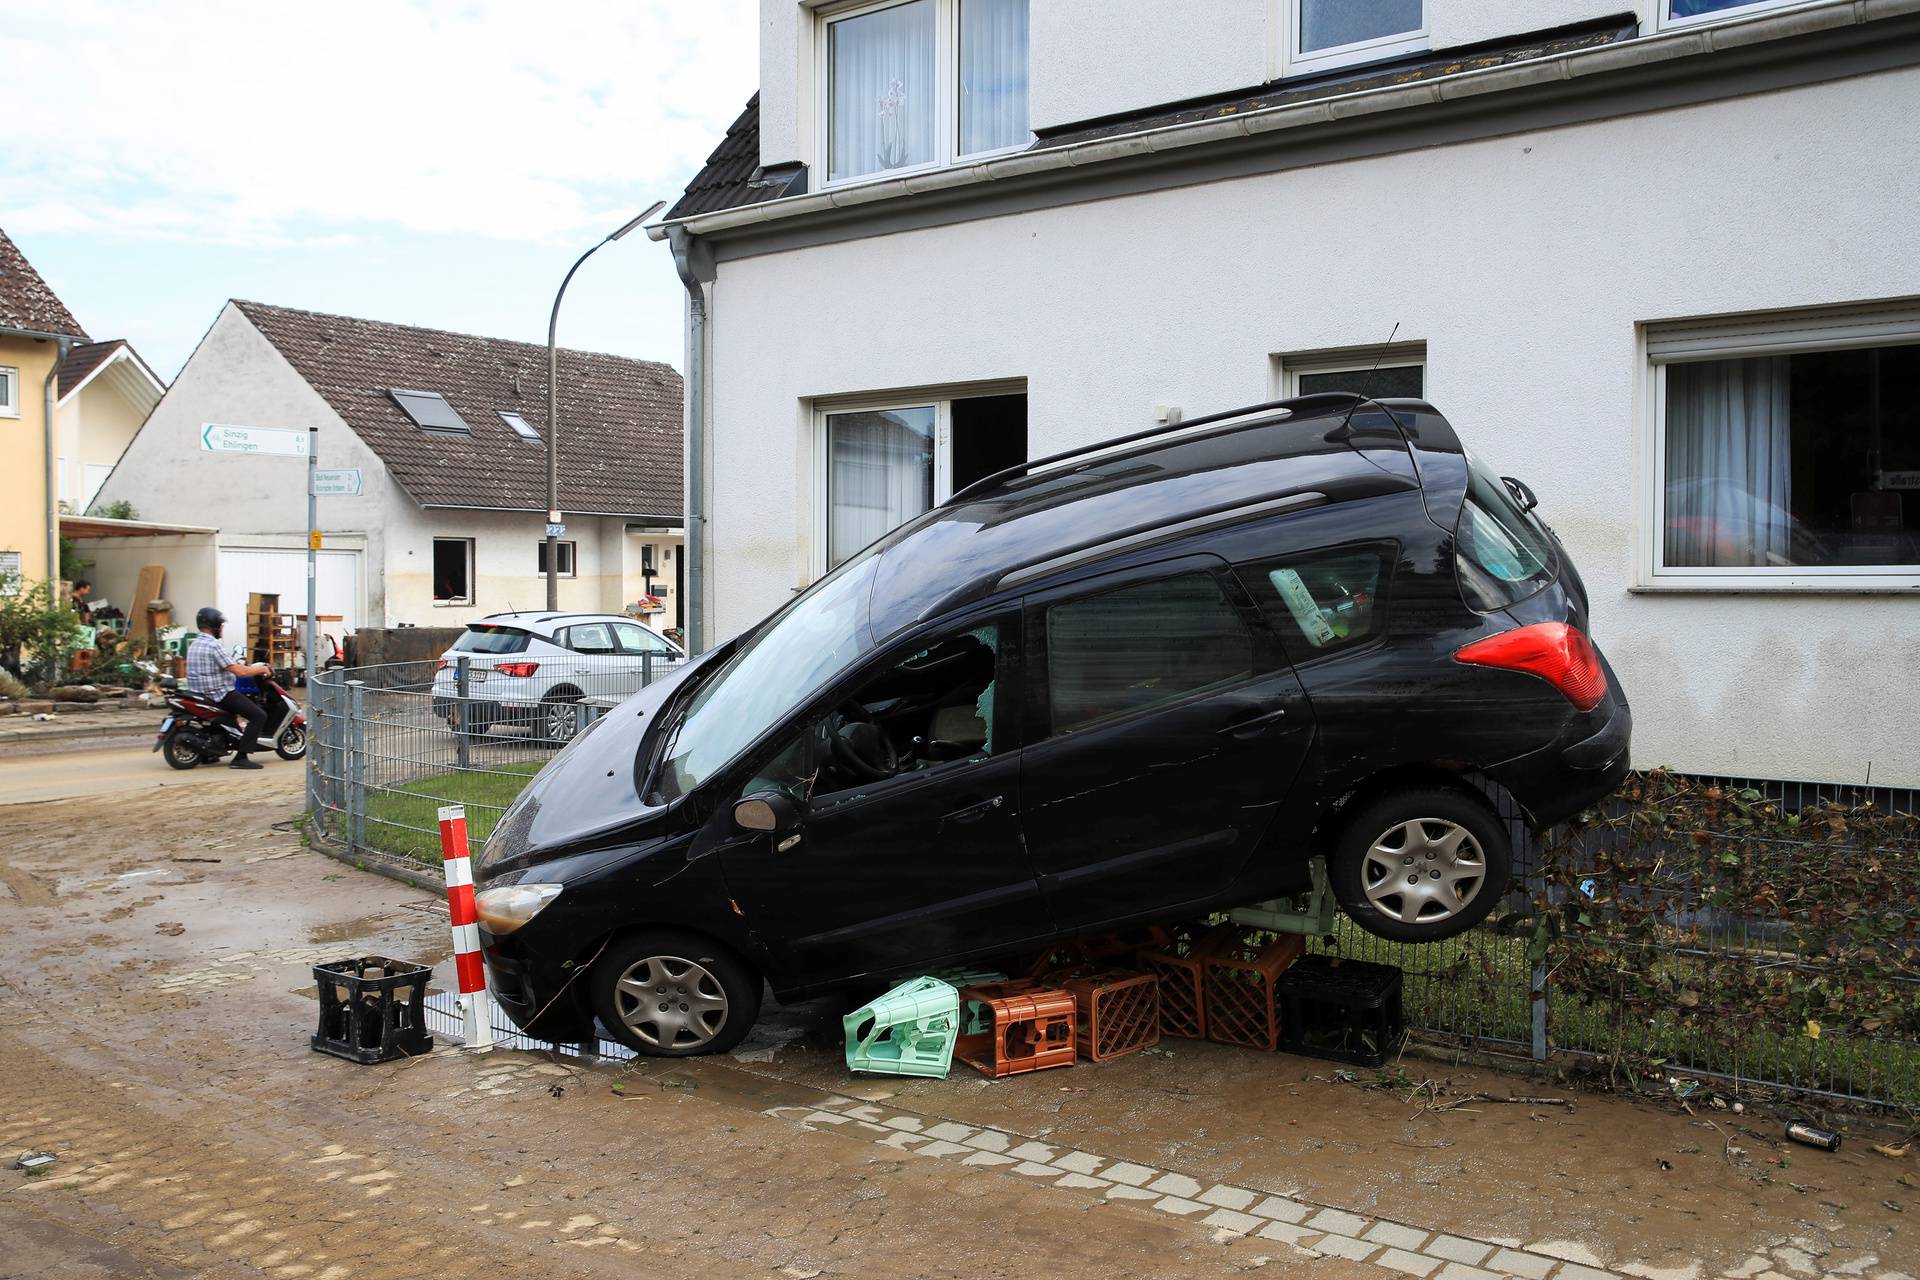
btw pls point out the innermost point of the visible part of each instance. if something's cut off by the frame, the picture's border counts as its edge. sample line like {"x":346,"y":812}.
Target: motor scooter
{"x":198,"y":732}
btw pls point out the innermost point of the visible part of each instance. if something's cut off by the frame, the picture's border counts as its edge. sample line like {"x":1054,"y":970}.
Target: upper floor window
{"x":922,"y":83}
{"x":9,"y":393}
{"x":1680,"y":13}
{"x":1325,"y":33}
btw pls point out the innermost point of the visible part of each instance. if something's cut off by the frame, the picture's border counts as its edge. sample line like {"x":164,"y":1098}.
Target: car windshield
{"x":491,"y":639}
{"x":814,"y":638}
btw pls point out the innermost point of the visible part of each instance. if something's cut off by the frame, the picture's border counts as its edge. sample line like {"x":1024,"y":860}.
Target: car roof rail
{"x":1278,"y":408}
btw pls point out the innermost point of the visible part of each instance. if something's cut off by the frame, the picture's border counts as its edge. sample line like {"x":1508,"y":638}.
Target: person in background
{"x":81,"y":589}
{"x":210,"y":675}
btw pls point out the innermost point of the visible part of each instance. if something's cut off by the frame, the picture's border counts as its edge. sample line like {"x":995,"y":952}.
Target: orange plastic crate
{"x":1178,"y":966}
{"x":1117,"y":1012}
{"x":1242,"y":977}
{"x":1013,"y":1027}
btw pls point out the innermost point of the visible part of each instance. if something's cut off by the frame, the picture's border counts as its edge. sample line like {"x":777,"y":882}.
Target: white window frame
{"x":1662,"y":344}
{"x":1662,"y":8}
{"x":940,"y":399}
{"x":9,"y":392}
{"x":1292,"y":62}
{"x":569,"y":560}
{"x":946,"y":63}
{"x":13,"y":573}
{"x":452,"y":602}
{"x":1289,"y":366}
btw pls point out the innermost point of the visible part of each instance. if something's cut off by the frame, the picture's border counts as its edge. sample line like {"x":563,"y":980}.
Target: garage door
{"x":244,"y":570}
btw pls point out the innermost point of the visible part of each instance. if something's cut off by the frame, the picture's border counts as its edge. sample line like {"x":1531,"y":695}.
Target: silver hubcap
{"x":560,"y":721}
{"x":1424,"y":870}
{"x":670,"y":1003}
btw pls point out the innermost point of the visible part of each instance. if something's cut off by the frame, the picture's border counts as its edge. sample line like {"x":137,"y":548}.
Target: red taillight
{"x":440,"y":666}
{"x":516,"y":668}
{"x":1554,"y":651}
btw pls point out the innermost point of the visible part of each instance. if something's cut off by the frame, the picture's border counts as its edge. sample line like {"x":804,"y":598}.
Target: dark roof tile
{"x":25,"y":300}
{"x":620,"y":419}
{"x":729,"y":179}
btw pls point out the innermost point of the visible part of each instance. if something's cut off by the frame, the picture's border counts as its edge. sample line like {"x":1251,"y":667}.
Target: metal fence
{"x":392,"y":744}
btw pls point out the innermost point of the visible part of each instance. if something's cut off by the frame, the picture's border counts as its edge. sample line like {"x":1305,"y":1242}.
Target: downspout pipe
{"x":62,"y":345}
{"x":694,"y":261}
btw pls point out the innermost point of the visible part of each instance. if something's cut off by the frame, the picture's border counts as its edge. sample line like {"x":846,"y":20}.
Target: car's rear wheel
{"x":1422,"y":865}
{"x":557,"y":718}
{"x":671,"y":994}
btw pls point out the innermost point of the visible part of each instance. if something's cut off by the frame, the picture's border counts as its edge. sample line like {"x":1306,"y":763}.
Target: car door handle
{"x":975,"y":812}
{"x":1253,"y":724}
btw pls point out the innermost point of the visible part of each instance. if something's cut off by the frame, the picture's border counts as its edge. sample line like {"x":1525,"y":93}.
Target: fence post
{"x":460,"y":710}
{"x":646,"y":669}
{"x":1540,"y":997}
{"x":356,"y":764}
{"x":312,"y":712}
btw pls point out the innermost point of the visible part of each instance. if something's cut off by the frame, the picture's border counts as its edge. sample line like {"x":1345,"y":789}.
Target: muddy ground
{"x":156,"y":1004}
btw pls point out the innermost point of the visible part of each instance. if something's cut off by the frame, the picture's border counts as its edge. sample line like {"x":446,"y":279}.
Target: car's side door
{"x":594,"y":658}
{"x":642,"y":654}
{"x":883,"y":875}
{"x":1165,"y":729}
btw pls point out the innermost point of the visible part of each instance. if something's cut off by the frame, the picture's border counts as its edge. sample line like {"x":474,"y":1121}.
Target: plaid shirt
{"x":207,"y":663}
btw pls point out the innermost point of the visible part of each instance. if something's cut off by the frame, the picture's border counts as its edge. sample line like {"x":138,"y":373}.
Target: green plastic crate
{"x":909,"y":1031}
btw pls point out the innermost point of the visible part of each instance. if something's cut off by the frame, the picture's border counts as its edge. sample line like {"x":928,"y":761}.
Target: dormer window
{"x":922,"y":83}
{"x":1333,"y":33}
{"x":429,"y":410}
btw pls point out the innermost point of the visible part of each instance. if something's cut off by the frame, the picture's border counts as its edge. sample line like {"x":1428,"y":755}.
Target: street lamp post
{"x":553,"y":409}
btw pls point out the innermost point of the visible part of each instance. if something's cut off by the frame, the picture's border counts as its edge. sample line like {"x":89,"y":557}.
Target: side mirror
{"x":1521,"y":493}
{"x":773,"y":812}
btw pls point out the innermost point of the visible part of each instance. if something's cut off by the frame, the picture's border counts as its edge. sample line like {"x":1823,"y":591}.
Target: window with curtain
{"x":879,"y":474}
{"x":1326,"y":25}
{"x":923,"y":82}
{"x":1803,"y":460}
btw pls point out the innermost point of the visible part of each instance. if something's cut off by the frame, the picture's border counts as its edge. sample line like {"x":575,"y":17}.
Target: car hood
{"x":588,"y":792}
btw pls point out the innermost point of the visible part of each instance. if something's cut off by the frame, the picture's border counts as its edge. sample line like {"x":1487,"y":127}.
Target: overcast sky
{"x":428,"y":163}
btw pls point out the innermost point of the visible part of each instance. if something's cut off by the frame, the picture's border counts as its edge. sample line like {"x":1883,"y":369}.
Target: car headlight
{"x":505,"y":909}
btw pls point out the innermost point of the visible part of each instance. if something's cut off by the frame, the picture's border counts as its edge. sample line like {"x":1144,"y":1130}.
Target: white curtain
{"x":883,"y":90}
{"x":879,"y":475}
{"x":1729,"y":452}
{"x":993,"y":75}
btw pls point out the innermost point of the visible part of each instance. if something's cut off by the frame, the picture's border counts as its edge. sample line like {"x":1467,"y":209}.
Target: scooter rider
{"x":210,"y":673}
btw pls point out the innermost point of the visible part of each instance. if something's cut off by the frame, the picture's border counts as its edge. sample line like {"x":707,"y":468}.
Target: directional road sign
{"x":274,"y":442}
{"x":340,"y":482}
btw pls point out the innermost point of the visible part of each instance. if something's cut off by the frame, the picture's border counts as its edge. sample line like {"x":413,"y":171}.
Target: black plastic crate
{"x":373,"y":1009}
{"x":1346,"y":1010}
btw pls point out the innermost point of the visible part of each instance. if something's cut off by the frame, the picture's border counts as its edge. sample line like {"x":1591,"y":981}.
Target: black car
{"x":1141,"y":682}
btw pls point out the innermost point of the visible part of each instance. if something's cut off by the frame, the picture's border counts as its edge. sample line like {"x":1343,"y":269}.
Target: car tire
{"x":1421,"y":865}
{"x":641,"y":973}
{"x":557,"y":718}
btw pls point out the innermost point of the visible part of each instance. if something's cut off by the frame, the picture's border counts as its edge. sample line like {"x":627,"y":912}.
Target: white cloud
{"x":282,"y":125}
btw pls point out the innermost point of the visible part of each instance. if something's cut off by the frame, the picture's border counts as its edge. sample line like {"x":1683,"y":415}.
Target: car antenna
{"x":1342,"y":433}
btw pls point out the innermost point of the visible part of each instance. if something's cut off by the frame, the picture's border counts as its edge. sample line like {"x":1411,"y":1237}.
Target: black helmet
{"x":209,"y":619}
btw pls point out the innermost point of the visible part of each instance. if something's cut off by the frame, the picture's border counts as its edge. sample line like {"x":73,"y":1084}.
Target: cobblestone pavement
{"x":157,"y":1001}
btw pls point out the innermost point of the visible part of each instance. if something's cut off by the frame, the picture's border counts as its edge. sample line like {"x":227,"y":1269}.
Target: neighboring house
{"x":1657,"y":258}
{"x":36,"y":333}
{"x":448,"y":432}
{"x":105,"y":392}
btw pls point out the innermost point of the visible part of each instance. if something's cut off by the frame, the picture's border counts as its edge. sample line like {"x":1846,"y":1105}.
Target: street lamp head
{"x":652,"y":209}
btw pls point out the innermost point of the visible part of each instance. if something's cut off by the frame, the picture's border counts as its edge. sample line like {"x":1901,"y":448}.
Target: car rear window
{"x":484,"y":639}
{"x":1501,"y":552}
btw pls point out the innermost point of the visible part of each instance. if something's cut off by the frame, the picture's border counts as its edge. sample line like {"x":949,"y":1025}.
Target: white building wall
{"x":1094,"y":58}
{"x":1524,"y":263}
{"x":236,"y":377}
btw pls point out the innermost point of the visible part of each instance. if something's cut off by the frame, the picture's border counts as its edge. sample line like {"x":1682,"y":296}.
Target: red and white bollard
{"x":476,"y":1005}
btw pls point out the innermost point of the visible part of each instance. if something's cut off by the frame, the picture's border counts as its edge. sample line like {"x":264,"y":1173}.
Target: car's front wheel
{"x":671,"y":994}
{"x":1421,"y":865}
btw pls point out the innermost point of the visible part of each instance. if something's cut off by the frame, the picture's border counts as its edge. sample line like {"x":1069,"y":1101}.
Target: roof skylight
{"x":429,"y":410}
{"x":521,"y":427}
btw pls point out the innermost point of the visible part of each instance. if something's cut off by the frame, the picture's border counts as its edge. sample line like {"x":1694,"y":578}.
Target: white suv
{"x":530,"y":669}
